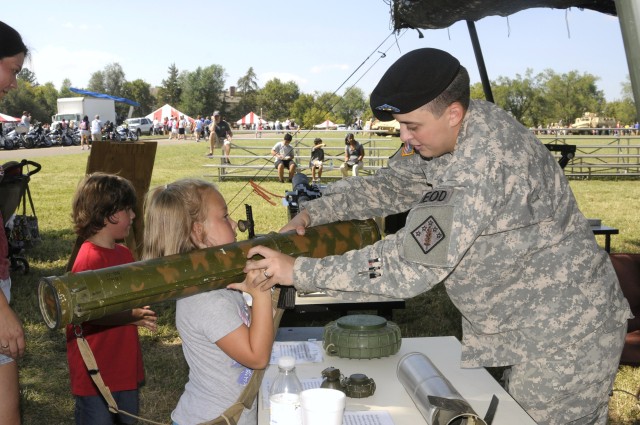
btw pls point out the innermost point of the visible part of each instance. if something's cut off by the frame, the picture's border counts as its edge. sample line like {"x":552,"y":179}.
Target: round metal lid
{"x":361,"y":322}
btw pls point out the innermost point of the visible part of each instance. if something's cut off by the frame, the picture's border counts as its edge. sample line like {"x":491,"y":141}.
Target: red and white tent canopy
{"x":250,"y":118}
{"x":327,"y":124}
{"x":167,"y":111}
{"x":8,"y":118}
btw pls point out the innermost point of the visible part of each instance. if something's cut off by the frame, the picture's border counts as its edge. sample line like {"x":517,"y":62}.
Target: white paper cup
{"x":322,"y":406}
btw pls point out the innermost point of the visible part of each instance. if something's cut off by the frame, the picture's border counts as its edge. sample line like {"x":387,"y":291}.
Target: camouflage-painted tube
{"x":78,"y":297}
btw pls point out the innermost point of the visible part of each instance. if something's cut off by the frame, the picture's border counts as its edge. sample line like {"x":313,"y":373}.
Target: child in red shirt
{"x":102,"y":214}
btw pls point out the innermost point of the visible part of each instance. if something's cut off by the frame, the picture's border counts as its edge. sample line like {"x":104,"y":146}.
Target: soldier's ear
{"x":456,"y":114}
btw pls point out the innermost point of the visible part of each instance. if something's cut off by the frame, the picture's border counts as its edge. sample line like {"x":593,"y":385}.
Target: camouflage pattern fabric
{"x":584,"y":375}
{"x":516,"y":255}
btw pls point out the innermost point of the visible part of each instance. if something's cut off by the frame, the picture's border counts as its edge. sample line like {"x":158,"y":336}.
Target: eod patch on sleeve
{"x":428,"y":228}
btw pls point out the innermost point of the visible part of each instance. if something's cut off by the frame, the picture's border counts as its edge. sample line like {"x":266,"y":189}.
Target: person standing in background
{"x":173,"y":128}
{"x":219,"y":130}
{"x":25,"y":120}
{"x":181,"y":128}
{"x":13,"y":52}
{"x":96,"y":129}
{"x":84,"y":132}
{"x":165,"y":126}
{"x":198,"y":124}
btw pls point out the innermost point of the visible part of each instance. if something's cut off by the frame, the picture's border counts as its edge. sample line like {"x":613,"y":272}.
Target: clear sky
{"x":317,"y":44}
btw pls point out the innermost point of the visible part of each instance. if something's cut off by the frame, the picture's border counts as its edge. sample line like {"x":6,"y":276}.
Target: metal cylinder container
{"x":78,"y":297}
{"x":434,"y":396}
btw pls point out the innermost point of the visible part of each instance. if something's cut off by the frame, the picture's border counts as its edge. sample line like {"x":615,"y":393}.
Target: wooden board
{"x":133,"y":161}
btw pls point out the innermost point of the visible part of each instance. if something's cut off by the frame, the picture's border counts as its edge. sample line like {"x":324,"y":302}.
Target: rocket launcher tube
{"x":89,"y":295}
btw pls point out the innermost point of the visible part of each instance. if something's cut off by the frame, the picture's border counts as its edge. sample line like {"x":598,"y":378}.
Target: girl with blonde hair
{"x":223,"y":339}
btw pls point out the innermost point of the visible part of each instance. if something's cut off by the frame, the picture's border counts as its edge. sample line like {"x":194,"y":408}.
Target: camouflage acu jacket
{"x":497,"y":222}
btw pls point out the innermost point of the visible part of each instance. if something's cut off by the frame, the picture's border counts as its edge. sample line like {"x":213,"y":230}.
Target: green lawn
{"x":43,"y":370}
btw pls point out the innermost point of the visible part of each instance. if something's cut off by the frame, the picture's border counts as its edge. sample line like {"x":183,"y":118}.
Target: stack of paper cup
{"x":322,"y":406}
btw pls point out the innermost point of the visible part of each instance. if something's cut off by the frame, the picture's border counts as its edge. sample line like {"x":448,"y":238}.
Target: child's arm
{"x":251,"y":346}
{"x":11,"y":332}
{"x":144,"y":317}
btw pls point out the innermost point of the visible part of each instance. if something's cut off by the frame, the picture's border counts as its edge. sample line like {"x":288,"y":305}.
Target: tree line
{"x":543,"y":99}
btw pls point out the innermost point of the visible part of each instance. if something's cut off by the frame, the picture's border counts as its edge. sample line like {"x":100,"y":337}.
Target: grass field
{"x":43,"y":370}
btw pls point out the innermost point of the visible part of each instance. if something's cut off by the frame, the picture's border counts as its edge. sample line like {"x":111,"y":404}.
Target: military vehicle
{"x":386,"y":128}
{"x":589,"y":121}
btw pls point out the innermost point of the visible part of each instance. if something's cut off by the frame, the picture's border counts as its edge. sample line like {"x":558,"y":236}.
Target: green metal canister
{"x":361,"y":336}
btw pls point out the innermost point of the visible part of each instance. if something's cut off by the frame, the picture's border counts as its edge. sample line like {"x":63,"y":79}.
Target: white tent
{"x":250,"y":119}
{"x":167,"y":111}
{"x":328,"y":124}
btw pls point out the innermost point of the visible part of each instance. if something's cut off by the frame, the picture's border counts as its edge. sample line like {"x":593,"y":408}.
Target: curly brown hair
{"x":98,"y":197}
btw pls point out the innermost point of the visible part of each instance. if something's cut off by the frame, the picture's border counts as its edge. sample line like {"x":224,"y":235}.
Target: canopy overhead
{"x":251,"y":118}
{"x":328,"y":124}
{"x":105,"y":96}
{"x":167,"y":111}
{"x":8,"y":118}
{"x":437,"y":14}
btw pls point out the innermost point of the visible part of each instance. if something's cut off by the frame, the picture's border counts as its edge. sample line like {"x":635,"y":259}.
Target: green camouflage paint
{"x":78,"y":297}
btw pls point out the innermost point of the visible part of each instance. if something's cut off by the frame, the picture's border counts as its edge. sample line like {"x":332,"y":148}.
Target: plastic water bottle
{"x":284,"y":395}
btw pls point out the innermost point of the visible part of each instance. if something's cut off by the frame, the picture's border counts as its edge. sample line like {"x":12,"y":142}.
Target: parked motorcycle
{"x":61,"y":136}
{"x":15,"y":140}
{"x":37,"y":137}
{"x":126,"y":134}
{"x":109,"y":133}
{"x":75,"y":136}
{"x":8,"y":140}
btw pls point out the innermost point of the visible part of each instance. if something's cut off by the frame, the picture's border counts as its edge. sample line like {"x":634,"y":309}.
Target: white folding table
{"x":475,"y":385}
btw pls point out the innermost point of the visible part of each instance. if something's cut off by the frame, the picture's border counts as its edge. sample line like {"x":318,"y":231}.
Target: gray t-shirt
{"x":215,"y":380}
{"x":284,"y":149}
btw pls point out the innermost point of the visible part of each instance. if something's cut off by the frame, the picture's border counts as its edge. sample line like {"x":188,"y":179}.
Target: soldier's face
{"x":218,"y":228}
{"x":429,"y":135}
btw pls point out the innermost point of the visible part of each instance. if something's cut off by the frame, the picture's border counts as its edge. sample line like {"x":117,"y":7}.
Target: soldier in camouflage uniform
{"x":493,"y":217}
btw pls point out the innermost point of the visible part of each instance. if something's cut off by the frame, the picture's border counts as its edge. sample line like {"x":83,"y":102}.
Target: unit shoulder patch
{"x":428,"y":234}
{"x":428,"y":229}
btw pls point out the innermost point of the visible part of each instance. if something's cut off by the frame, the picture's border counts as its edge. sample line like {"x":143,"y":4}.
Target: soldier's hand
{"x":298,"y":223}
{"x":146,"y":318}
{"x":275,"y":267}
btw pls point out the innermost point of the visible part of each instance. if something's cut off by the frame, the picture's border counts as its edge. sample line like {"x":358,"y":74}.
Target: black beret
{"x":413,"y":81}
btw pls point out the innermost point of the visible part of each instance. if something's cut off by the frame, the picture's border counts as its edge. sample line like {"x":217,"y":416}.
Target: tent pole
{"x":486,"y":84}
{"x":629,"y":17}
